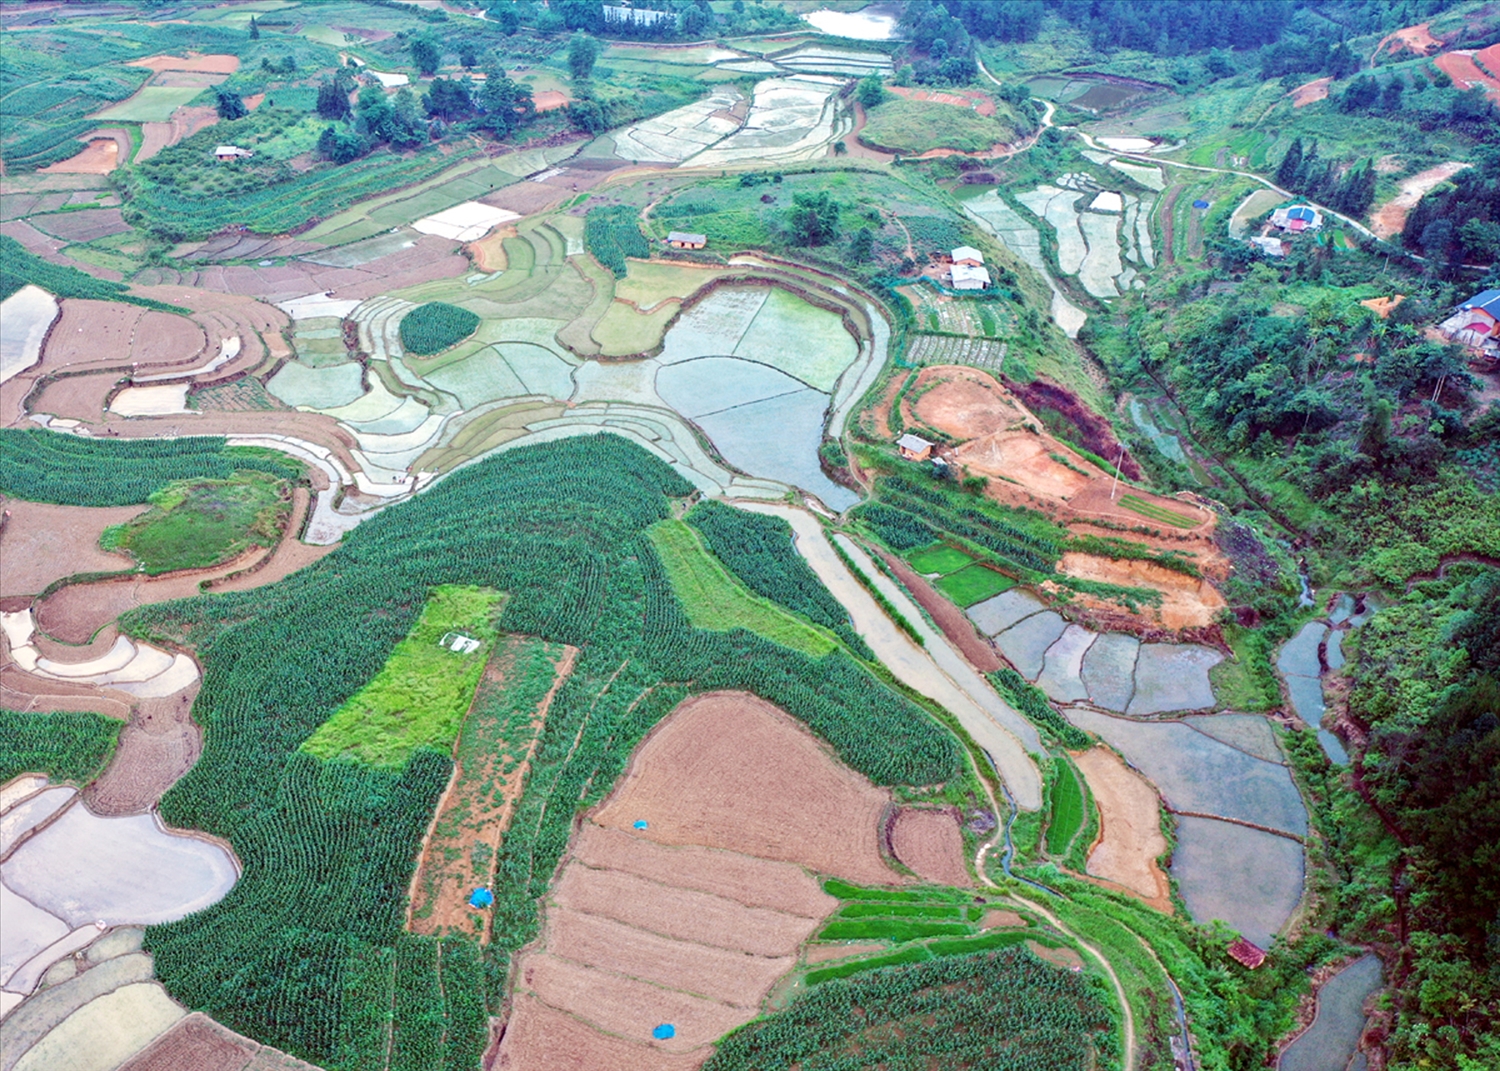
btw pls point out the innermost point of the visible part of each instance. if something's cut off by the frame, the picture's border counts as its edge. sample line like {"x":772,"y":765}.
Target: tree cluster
{"x":1459,"y":221}
{"x":1344,"y":184}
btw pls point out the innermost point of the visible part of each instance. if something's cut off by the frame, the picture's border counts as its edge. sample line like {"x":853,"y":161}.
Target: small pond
{"x":1249,"y":879}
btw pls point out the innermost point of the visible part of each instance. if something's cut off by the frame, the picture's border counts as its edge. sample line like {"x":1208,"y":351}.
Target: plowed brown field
{"x":1187,"y":602}
{"x":106,"y":150}
{"x":729,"y":770}
{"x":693,"y":919}
{"x":193,"y":61}
{"x":930,"y":842}
{"x":1130,"y":837}
{"x":40,"y":543}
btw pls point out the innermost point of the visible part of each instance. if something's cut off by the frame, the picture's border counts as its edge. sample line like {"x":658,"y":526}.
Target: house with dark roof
{"x":1476,"y":324}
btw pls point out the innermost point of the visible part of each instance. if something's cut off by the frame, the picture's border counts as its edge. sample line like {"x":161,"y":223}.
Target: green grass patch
{"x":974,"y":584}
{"x":420,"y":696}
{"x":917,"y":126}
{"x":433,"y":327}
{"x":1151,"y":511}
{"x":66,"y":746}
{"x":844,"y":891}
{"x":197,"y":523}
{"x":910,"y":954}
{"x":941,"y":559}
{"x":963,"y":946}
{"x":1065,"y":816}
{"x":891,"y":929}
{"x":858,"y":910}
{"x":151,"y":104}
{"x":714,"y":600}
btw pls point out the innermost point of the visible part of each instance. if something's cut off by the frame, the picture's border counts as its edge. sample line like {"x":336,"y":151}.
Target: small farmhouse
{"x":1476,"y":324}
{"x":459,"y":643}
{"x":966,"y":277}
{"x":1271,"y":247}
{"x":1295,"y":219}
{"x":231,"y":152}
{"x":1246,"y":954}
{"x":968,"y":256}
{"x":684,"y":240}
{"x":914,"y":447}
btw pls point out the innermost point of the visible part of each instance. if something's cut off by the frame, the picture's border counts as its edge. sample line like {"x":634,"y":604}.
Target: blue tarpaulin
{"x":664,"y":1031}
{"x":481,"y":898}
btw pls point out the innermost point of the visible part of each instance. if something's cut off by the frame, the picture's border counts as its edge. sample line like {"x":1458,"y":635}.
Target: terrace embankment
{"x":1002,"y":439}
{"x":688,"y":893}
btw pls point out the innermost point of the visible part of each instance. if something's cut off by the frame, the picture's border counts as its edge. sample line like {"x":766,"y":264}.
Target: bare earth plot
{"x":684,"y":897}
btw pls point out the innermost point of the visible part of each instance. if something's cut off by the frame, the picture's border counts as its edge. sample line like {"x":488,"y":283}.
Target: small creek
{"x":1169,"y":444}
{"x":1316,"y":649}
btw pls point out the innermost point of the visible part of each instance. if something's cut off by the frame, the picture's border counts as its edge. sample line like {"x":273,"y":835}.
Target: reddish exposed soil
{"x":1309,"y":92}
{"x":1095,"y":433}
{"x":525,"y":198}
{"x":999,"y":919}
{"x":540,"y":1038}
{"x":1489,"y":59}
{"x":70,"y":397}
{"x":1130,"y":837}
{"x":106,"y":150}
{"x":729,"y":770}
{"x":476,"y":809}
{"x":1061,"y":957}
{"x":1460,"y":67}
{"x":977,"y":102}
{"x":931,"y":844}
{"x":1413,"y":38}
{"x":110,"y":335}
{"x":1390,"y":218}
{"x":1187,"y":602}
{"x":955,"y":624}
{"x":193,"y":61}
{"x":824,"y":953}
{"x":550,"y":100}
{"x":40,"y":543}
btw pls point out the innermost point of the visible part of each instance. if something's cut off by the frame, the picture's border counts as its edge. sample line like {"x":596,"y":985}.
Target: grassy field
{"x":713,"y":599}
{"x":624,"y":332}
{"x":151,"y":104}
{"x":1151,"y":511}
{"x":421,"y":694}
{"x":1066,"y":815}
{"x":917,"y":126}
{"x":974,"y":583}
{"x":196,"y":523}
{"x":941,"y":559}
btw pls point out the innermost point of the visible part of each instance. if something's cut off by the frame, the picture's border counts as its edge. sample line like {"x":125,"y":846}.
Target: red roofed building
{"x":1246,"y":954}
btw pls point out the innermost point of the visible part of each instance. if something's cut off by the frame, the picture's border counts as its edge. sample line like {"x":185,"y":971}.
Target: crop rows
{"x":1032,"y":701}
{"x":18,"y":268}
{"x":43,"y":466}
{"x":759,"y":550}
{"x":328,"y":847}
{"x":65,"y":746}
{"x":997,"y":1009}
{"x":612,"y":234}
{"x":948,"y":349}
{"x":433,"y":327}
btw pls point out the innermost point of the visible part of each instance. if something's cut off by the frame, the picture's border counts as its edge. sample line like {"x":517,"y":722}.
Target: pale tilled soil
{"x":694,"y":919}
{"x":824,"y":953}
{"x":40,"y":543}
{"x":930,"y":842}
{"x":1062,"y":957}
{"x":999,"y":919}
{"x":1390,"y":218}
{"x":751,"y":881}
{"x":107,"y":150}
{"x":185,"y":122}
{"x":683,"y":914}
{"x":712,"y":973}
{"x":541,"y":1038}
{"x":729,"y":770}
{"x":157,"y":748}
{"x":192,"y":61}
{"x":1130,"y":836}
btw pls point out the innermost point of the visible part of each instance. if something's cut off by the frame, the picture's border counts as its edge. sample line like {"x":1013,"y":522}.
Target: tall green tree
{"x":425,"y":55}
{"x":229,"y":104}
{"x":815,"y":218}
{"x":333,"y":103}
{"x":583,"y":51}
